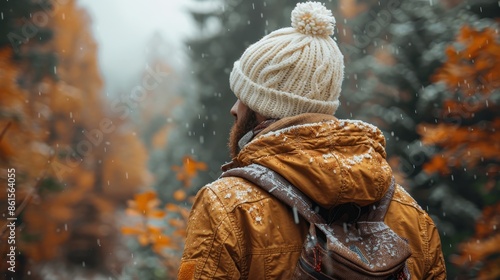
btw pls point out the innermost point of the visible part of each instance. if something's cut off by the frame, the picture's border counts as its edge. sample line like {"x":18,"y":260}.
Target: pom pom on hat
{"x":313,"y":18}
{"x":292,"y":70}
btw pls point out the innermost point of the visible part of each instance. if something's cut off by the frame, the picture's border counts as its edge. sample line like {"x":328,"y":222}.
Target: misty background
{"x":124,"y":29}
{"x":115,"y":113}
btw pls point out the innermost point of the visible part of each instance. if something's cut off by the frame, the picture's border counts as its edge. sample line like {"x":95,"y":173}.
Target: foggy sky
{"x":122,"y":28}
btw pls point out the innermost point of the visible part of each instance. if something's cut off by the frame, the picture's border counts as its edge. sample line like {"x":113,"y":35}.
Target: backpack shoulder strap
{"x":379,"y":209}
{"x":287,"y":193}
{"x":278,"y":186}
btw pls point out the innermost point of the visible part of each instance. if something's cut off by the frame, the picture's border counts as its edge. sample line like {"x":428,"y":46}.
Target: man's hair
{"x":248,"y":122}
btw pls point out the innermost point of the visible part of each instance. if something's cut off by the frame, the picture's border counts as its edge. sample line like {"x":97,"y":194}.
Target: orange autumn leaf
{"x":150,"y":235}
{"x":437,"y":164}
{"x":476,"y":40}
{"x":160,"y":242}
{"x":453,"y":108}
{"x":179,"y":195}
{"x":181,"y":232}
{"x":131,"y":230}
{"x":476,"y":250}
{"x":466,"y":146}
{"x":143,"y":239}
{"x":154,"y":230}
{"x":144,"y":203}
{"x":170,"y":207}
{"x":482,"y":252}
{"x":189,"y":170}
{"x":472,"y":69}
{"x":156,"y":213}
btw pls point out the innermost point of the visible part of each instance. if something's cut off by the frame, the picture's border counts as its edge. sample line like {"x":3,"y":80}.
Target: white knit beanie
{"x":292,"y":70}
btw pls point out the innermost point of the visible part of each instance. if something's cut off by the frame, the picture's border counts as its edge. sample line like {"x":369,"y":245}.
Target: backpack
{"x":346,"y":242}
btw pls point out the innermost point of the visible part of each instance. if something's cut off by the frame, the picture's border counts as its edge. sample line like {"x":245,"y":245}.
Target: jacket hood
{"x":332,"y":161}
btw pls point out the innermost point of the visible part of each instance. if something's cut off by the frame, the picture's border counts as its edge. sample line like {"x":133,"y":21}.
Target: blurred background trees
{"x":427,"y":76}
{"x":105,"y":182}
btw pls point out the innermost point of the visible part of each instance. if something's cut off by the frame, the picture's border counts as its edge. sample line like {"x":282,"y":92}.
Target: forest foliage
{"x":76,"y":161}
{"x":104,"y":185}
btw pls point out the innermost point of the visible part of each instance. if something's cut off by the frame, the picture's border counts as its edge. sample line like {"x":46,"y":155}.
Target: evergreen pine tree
{"x":393,"y":50}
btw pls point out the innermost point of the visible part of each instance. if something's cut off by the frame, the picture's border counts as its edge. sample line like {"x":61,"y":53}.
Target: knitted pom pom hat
{"x":292,"y":70}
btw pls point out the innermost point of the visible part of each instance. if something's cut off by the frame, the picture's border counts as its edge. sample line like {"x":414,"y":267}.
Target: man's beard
{"x":239,"y":129}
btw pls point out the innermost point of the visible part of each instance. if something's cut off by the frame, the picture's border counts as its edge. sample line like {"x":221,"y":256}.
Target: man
{"x":288,"y":85}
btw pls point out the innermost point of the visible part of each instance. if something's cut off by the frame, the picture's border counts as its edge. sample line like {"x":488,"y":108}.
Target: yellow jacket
{"x":236,"y":230}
